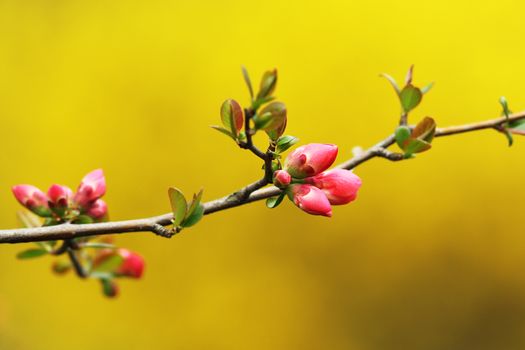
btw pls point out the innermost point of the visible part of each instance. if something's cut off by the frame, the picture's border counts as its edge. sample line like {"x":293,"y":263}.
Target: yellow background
{"x":432,"y":254}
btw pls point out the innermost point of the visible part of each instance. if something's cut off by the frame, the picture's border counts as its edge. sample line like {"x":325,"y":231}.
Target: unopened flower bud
{"x":92,"y":187}
{"x":340,"y":186}
{"x":98,"y":209}
{"x":310,"y":160}
{"x":59,"y":198}
{"x":310,"y":199}
{"x":32,"y":198}
{"x":133,"y":264}
{"x":281,"y":178}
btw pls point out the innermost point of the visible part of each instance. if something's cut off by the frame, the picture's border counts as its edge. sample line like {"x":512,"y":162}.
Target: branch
{"x":255,"y":193}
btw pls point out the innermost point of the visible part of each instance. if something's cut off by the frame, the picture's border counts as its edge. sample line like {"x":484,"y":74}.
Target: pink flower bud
{"x":340,"y":186}
{"x":92,"y":187}
{"x":310,"y":160}
{"x":32,"y":198}
{"x":310,"y":199}
{"x":133,"y":264}
{"x":59,"y":196}
{"x":98,"y":209}
{"x":281,"y":178}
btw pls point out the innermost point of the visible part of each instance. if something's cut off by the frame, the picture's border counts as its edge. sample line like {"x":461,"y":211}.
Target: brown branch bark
{"x":157,"y":224}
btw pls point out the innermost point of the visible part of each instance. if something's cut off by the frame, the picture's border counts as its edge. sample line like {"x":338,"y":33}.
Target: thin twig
{"x":156,"y":224}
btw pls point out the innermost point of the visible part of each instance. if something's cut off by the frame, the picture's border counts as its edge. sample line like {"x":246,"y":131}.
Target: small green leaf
{"x":508,"y":134}
{"x":31,"y":253}
{"x":427,"y":88}
{"x":178,"y":205}
{"x":410,"y":97}
{"x":273,"y":202}
{"x":402,"y":134}
{"x":268,"y":83}
{"x":98,"y":245}
{"x":232,"y":116}
{"x":505,"y":105}
{"x":271,"y":117}
{"x":517,"y":127}
{"x":109,"y":287}
{"x":416,"y":146}
{"x":194,"y":217}
{"x":425,"y":130}
{"x":392,"y":82}
{"x":410,"y":74}
{"x":194,"y":205}
{"x":285,"y":142}
{"x":223,"y":130}
{"x":110,"y":264}
{"x":28,"y":219}
{"x":248,"y":81}
{"x":83,"y":219}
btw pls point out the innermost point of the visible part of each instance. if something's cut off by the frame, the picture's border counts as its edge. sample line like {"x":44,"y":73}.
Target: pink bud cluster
{"x":310,"y":186}
{"x":61,"y":204}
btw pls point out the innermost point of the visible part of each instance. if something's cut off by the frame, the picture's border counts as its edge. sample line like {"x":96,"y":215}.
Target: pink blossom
{"x":281,"y":178}
{"x":310,"y":199}
{"x":32,"y":198}
{"x":98,"y":209}
{"x":92,"y":187}
{"x":340,"y":186}
{"x":310,"y":160}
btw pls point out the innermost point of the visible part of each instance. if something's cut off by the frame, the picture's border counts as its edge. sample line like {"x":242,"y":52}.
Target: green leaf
{"x":83,"y":219}
{"x":98,"y":245}
{"x":392,"y":82}
{"x":110,"y":264}
{"x":416,"y":146}
{"x":109,"y":287}
{"x":508,"y":134}
{"x":410,"y":74}
{"x":223,"y":130}
{"x":178,"y":205}
{"x":194,"y":206}
{"x":517,"y":127}
{"x":427,"y":88}
{"x":410,"y":97}
{"x":402,"y":134}
{"x":271,"y":117}
{"x":194,"y":217}
{"x":232,"y":116}
{"x":273,"y":202}
{"x":31,"y":253}
{"x":285,"y":142}
{"x":247,"y":80}
{"x":505,"y":105}
{"x":425,"y":130}
{"x":28,"y":219}
{"x":268,"y":83}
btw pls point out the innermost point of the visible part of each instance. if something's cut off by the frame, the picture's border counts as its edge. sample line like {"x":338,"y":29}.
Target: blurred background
{"x":430,"y":256}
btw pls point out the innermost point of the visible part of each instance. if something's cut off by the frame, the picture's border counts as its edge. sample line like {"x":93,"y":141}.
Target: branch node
{"x":162,"y":231}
